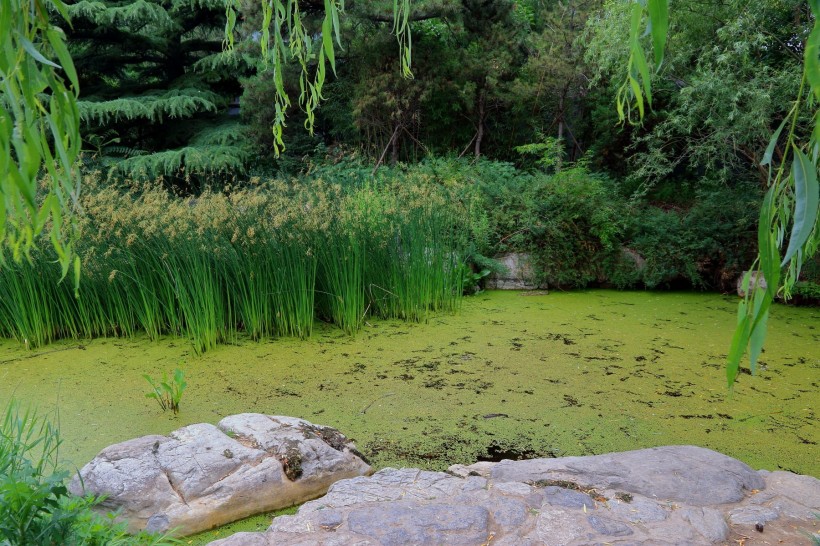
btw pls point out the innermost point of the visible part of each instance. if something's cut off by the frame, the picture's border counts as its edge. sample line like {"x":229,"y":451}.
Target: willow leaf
{"x":740,"y":340}
{"x":757,"y":338}
{"x":327,"y":35}
{"x":811,"y":56}
{"x":767,"y":157}
{"x":659,"y":23}
{"x":56,"y":39}
{"x":29,"y":47}
{"x":806,"y":195}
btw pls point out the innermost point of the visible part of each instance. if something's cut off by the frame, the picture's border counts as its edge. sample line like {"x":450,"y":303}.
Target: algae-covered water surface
{"x":511,"y":375}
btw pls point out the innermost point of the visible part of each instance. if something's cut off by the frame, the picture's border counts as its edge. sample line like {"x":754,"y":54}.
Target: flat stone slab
{"x":682,"y":495}
{"x":202,"y":476}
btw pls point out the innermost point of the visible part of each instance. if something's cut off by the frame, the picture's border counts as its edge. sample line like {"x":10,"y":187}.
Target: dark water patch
{"x":478,"y":386}
{"x":496,"y":453}
{"x":593,"y":358}
{"x":571,"y":401}
{"x":560,"y":337}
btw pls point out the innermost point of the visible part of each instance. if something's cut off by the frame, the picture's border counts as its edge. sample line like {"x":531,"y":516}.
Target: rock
{"x":688,"y":474}
{"x":749,"y":515}
{"x":681,"y":495}
{"x":519,"y":273}
{"x":632,"y":256}
{"x":202,"y":476}
{"x":756,"y":280}
{"x":708,"y":522}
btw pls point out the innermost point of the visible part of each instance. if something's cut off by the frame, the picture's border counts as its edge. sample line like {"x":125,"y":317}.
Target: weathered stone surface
{"x":751,"y":515}
{"x":689,"y":474}
{"x":201,"y":476}
{"x":518,"y":275}
{"x":708,"y":522}
{"x":756,"y":280}
{"x":678,"y":495}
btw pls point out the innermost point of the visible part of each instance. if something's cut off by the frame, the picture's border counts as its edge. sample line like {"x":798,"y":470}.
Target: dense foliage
{"x":523,"y":89}
{"x":39,"y":130}
{"x":156,"y":89}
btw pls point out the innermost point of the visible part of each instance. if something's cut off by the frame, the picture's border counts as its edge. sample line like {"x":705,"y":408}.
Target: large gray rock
{"x":680,"y":495}
{"x":201,"y":476}
{"x":688,"y":474}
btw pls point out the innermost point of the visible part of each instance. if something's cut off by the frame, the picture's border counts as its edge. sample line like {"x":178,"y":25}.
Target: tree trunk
{"x":560,"y":132}
{"x":480,"y":134}
{"x":394,"y":149}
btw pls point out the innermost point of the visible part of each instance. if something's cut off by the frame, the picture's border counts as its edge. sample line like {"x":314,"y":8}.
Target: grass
{"x":262,"y":262}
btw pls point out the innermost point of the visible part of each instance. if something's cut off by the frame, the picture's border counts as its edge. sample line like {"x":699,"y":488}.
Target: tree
{"x":157,"y":86}
{"x":725,"y":84}
{"x":793,"y":197}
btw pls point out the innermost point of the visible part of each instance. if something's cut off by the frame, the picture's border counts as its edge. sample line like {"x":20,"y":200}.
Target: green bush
{"x":35,"y":507}
{"x":569,"y":222}
{"x":706,"y":244}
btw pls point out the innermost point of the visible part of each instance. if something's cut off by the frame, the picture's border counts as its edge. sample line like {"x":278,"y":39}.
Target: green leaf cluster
{"x":39,"y":130}
{"x":167,"y":393}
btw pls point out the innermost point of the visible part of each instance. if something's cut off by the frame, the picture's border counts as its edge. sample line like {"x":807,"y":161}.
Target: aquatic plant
{"x":168,"y":394}
{"x":263,"y":261}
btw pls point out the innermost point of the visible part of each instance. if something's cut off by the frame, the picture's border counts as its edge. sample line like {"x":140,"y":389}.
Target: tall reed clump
{"x":261,"y":261}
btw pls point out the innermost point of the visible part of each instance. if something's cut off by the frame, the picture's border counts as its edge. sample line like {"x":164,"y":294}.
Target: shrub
{"x":35,"y":507}
{"x":569,"y":222}
{"x":706,"y":244}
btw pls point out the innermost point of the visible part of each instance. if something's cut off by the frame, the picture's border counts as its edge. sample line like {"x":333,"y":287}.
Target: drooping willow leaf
{"x":39,"y":131}
{"x":806,"y":196}
{"x":659,"y":20}
{"x":284,"y":37}
{"x":637,"y":87}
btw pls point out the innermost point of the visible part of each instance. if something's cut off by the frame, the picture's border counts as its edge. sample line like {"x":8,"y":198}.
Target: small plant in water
{"x":167,"y":393}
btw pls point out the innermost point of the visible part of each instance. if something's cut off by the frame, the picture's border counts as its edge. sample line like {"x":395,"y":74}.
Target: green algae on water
{"x":512,"y":375}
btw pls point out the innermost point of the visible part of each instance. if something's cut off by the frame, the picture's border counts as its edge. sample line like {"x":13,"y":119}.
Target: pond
{"x":513,"y":374}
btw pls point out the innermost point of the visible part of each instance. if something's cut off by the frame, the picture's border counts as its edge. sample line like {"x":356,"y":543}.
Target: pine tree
{"x":157,"y":89}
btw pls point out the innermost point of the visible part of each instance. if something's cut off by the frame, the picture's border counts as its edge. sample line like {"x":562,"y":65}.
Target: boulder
{"x":756,"y":280}
{"x":202,"y":476}
{"x":518,"y":275}
{"x":682,"y":495}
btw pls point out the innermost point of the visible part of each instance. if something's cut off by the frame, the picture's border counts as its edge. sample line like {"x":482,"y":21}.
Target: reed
{"x":262,"y":262}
